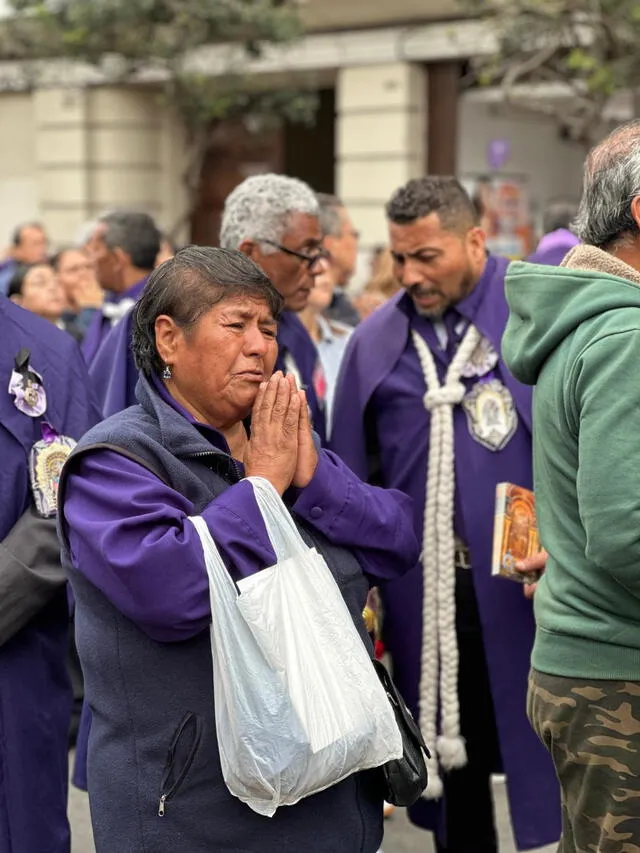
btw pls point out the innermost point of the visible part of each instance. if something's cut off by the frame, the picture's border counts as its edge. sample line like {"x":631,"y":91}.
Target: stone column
{"x":18,"y":182}
{"x":62,"y":160}
{"x":381,"y":119}
{"x":174,"y":199}
{"x":103,"y":148}
{"x":125,"y":166}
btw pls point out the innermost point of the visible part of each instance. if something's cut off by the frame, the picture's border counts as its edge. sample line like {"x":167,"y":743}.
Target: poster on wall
{"x":505,"y":212}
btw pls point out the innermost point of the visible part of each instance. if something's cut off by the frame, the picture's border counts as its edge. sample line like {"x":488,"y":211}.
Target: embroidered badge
{"x":482,"y":361}
{"x":27,"y":387}
{"x":45,"y":465}
{"x":491,"y":414}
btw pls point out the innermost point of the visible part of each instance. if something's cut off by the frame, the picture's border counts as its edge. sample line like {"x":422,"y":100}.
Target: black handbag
{"x":404,"y":778}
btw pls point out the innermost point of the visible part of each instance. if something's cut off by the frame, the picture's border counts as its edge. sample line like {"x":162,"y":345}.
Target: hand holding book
{"x":517,"y":553}
{"x":532,"y":568}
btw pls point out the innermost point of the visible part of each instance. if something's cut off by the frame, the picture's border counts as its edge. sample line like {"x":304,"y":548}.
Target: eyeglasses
{"x":312,"y":257}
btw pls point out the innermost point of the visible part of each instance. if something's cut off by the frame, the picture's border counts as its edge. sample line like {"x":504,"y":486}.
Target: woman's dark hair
{"x":16,"y":283}
{"x":187,"y":286}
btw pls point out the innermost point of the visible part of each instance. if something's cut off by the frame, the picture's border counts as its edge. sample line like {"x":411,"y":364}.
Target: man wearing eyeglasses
{"x":274,"y":220}
{"x":426,"y":405}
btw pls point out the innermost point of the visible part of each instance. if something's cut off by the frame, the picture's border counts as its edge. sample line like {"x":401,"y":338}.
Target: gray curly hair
{"x":260,"y":207}
{"x":611,"y":182}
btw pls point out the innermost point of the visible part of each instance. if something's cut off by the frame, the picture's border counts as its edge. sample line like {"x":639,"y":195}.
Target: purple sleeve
{"x":377,"y":524}
{"x":129,"y":536}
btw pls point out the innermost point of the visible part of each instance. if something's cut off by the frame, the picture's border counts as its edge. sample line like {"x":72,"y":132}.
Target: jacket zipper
{"x":168,"y":768}
{"x":237,"y":474}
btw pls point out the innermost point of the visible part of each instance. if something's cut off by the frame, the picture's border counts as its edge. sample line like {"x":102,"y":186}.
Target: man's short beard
{"x":436,"y":314}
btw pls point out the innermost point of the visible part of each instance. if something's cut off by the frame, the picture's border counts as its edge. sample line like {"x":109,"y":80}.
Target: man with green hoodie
{"x":574,"y":333}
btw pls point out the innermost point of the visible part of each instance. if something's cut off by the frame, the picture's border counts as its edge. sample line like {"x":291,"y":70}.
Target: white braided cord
{"x":439,"y":656}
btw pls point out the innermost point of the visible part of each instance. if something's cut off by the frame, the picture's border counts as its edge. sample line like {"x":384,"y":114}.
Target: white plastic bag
{"x":298,"y":704}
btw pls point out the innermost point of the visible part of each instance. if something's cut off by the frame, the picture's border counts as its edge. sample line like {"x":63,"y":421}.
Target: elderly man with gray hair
{"x":574,"y":333}
{"x":274,"y":220}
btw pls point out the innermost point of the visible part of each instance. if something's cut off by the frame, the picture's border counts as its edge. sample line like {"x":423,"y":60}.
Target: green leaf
{"x":579,"y":60}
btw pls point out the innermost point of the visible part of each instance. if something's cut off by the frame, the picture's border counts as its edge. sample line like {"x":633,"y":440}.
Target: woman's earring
{"x":166,"y":373}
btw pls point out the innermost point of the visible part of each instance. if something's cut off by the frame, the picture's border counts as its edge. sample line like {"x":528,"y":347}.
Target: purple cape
{"x":113,"y":372}
{"x":373,"y":357}
{"x":100,"y":327}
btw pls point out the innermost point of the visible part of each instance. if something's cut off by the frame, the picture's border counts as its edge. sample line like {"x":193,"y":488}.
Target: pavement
{"x":400,"y":836}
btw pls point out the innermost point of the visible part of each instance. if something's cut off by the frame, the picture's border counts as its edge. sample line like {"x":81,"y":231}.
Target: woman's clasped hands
{"x":281,"y":447}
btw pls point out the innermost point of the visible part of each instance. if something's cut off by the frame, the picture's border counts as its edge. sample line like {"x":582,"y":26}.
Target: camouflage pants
{"x":592,"y":730}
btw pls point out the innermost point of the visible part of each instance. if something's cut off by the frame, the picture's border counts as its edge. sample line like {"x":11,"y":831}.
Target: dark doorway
{"x":310,"y":152}
{"x":303,"y":152}
{"x":442,"y":117}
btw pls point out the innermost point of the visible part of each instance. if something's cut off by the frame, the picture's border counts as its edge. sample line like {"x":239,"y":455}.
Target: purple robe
{"x":35,"y":694}
{"x":553,"y":247}
{"x":101,"y":326}
{"x":113,"y":372}
{"x":381,"y":383}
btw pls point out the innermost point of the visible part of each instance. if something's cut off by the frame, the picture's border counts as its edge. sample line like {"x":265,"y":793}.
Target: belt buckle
{"x":461,"y":558}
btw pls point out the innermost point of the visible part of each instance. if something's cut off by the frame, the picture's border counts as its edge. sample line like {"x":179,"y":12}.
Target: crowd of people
{"x":385,"y":421}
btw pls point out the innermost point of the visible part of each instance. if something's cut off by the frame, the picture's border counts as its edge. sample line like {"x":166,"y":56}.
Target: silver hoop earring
{"x":166,"y":373}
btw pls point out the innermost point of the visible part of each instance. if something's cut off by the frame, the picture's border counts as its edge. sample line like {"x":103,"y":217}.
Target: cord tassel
{"x":439,"y":657}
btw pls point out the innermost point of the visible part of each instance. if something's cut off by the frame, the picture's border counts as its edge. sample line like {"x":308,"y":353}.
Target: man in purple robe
{"x":274,"y":220}
{"x":558,"y":240}
{"x":45,"y":403}
{"x":425,"y":404}
{"x":123,"y":249}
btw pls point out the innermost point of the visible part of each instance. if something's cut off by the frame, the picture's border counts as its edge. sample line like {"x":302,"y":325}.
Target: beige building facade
{"x":73,"y":153}
{"x":70,"y":152}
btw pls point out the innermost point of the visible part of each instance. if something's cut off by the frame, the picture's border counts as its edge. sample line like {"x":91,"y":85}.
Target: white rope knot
{"x":439,"y":658}
{"x":447,"y":395}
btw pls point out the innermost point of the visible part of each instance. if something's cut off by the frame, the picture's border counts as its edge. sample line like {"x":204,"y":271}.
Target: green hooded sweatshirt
{"x":574,"y":333}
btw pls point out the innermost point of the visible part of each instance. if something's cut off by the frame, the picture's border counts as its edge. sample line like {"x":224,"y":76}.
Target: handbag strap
{"x":400,"y":706}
